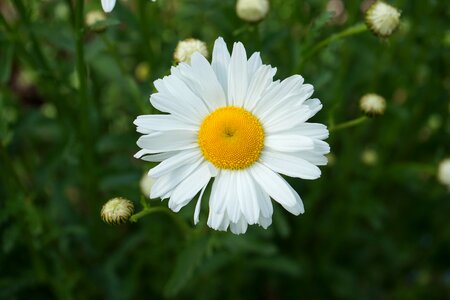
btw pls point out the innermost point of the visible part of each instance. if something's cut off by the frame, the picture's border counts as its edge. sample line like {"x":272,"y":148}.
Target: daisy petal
{"x":277,"y":188}
{"x":165,"y":184}
{"x":168,"y":141}
{"x":254,"y":63}
{"x":108,"y":5}
{"x":168,"y":165}
{"x":239,"y":227}
{"x":189,"y":187}
{"x":247,"y":197}
{"x":258,"y":84}
{"x":209,"y":86}
{"x":237,"y":76}
{"x":163,"y":123}
{"x":288,"y":142}
{"x":289,"y":165}
{"x":220,"y":62}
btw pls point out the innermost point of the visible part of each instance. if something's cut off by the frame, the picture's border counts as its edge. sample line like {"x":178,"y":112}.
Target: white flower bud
{"x":369,"y":157}
{"x":94,"y":16}
{"x":372,"y":104}
{"x":117,"y":211}
{"x":185,"y":49}
{"x":443,"y":174}
{"x":382,"y":19}
{"x":146,"y":184}
{"x":252,"y":10}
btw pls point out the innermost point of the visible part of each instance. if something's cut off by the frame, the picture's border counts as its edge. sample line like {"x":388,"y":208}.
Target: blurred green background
{"x":376,"y":224}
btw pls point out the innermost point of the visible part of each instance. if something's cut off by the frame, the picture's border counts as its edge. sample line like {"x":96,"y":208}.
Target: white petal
{"x":184,"y":97}
{"x":314,"y":106}
{"x":288,"y":142}
{"x":220,"y":62}
{"x":231,"y":199}
{"x":143,"y":154}
{"x":237,"y":76}
{"x":265,"y":222}
{"x":277,"y":188}
{"x":265,"y":204}
{"x":313,"y":157}
{"x":289,"y":165}
{"x":254,"y":63}
{"x":210,"y":88}
{"x":286,"y":118}
{"x":162,"y":123}
{"x":168,"y":141}
{"x":198,"y":205}
{"x":164,"y":185}
{"x":189,"y":187}
{"x":276,"y":95}
{"x":239,"y":227}
{"x":312,"y":130}
{"x":184,"y":157}
{"x":247,"y":196}
{"x":108,"y":5}
{"x":259,"y":83}
{"x":219,"y":192}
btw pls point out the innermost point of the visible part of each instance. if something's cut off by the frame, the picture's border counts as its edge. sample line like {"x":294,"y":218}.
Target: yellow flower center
{"x":231,"y":138}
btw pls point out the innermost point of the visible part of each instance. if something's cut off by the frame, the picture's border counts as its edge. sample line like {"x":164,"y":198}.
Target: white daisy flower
{"x":230,"y":122}
{"x":108,"y":5}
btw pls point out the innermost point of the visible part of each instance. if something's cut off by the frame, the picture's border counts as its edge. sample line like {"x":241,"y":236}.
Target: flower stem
{"x":85,"y":124}
{"x":150,"y":210}
{"x":348,"y":124}
{"x":355,"y":29}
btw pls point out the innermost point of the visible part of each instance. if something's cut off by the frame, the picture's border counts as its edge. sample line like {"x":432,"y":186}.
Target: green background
{"x":371,"y":230}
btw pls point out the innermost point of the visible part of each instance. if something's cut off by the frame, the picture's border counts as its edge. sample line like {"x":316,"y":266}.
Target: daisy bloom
{"x":231,"y":124}
{"x":185,"y":48}
{"x":382,"y":19}
{"x":108,"y":5}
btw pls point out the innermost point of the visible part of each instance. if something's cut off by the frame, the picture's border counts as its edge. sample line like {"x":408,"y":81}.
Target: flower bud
{"x":252,"y":10}
{"x":146,"y":184}
{"x":443,"y":174}
{"x":117,"y":211}
{"x":372,"y":104}
{"x":94,"y":16}
{"x":369,"y":157}
{"x":185,"y":49}
{"x":382,"y":19}
{"x":142,"y":71}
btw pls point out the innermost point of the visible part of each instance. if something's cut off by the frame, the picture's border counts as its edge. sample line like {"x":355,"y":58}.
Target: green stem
{"x":348,"y":124}
{"x":86,"y":156}
{"x":150,"y":210}
{"x":355,"y":29}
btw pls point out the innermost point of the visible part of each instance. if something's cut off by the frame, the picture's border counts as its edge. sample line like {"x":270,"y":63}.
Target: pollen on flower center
{"x":231,"y":138}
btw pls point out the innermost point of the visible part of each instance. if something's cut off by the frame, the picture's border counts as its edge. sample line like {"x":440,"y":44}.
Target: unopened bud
{"x":382,"y":19}
{"x":186,"y":48}
{"x":252,"y":10}
{"x":372,"y":104}
{"x":117,"y":211}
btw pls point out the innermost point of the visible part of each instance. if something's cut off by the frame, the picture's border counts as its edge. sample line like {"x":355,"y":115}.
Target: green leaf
{"x":6,"y":63}
{"x":187,"y":262}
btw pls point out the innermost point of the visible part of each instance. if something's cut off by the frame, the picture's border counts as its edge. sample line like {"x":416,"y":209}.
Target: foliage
{"x":372,"y":230}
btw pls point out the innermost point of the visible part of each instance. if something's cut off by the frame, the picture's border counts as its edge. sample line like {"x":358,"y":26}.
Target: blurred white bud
{"x":146,"y":184}
{"x":252,"y":10}
{"x":443,"y":174}
{"x":185,"y":49}
{"x":94,"y":16}
{"x":369,"y":157}
{"x":142,"y":71}
{"x":372,"y":104}
{"x":117,"y":211}
{"x":382,"y":19}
